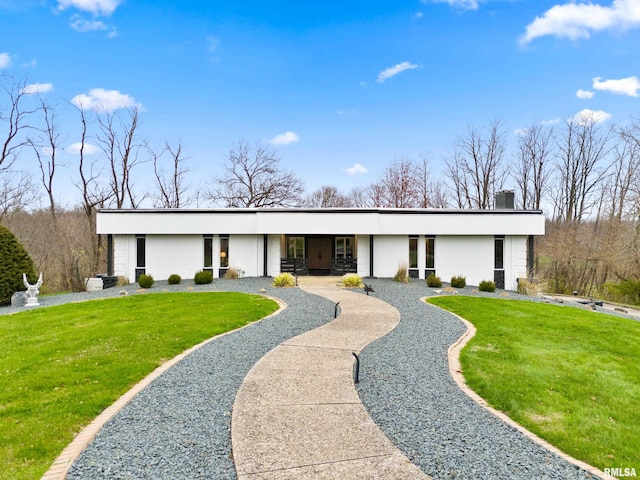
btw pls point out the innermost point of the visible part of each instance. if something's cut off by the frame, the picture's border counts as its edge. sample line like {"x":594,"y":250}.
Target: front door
{"x":319,"y":251}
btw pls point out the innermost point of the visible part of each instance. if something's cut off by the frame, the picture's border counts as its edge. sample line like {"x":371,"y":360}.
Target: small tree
{"x":14,"y":261}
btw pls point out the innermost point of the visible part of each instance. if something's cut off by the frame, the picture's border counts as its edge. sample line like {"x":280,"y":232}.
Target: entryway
{"x":319,"y":253}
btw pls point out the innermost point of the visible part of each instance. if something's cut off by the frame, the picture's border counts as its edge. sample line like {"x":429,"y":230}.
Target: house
{"x":373,"y":242}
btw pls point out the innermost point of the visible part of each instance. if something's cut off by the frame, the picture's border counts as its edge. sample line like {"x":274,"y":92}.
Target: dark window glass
{"x":141,"y":252}
{"x":413,"y":253}
{"x":431,"y":252}
{"x":499,"y":253}
{"x":208,"y":252}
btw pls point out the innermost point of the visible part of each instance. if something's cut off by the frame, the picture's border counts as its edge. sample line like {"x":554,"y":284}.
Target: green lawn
{"x":61,"y":366}
{"x":570,"y":376}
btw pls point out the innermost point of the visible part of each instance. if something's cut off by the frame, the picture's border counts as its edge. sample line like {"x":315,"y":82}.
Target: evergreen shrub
{"x":203,"y":277}
{"x":487,"y":286}
{"x":145,"y":281}
{"x":14,"y":261}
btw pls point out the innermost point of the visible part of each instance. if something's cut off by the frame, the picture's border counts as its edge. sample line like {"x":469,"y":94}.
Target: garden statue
{"x":32,"y":290}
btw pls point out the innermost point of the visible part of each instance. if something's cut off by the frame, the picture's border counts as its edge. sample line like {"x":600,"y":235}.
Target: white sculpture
{"x":32,"y":290}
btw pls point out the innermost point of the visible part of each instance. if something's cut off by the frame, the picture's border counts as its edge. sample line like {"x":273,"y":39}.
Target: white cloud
{"x":520,"y":132}
{"x":89,"y":149}
{"x":355,"y":170}
{"x":107,"y":100}
{"x":579,"y":20}
{"x":462,"y":4}
{"x":37,"y":88}
{"x":213,"y":43}
{"x":587,"y":115}
{"x":584,"y":94}
{"x":82,"y":25}
{"x":553,"y":121}
{"x":624,"y":86}
{"x":5,"y":60}
{"x":347,"y":112}
{"x":395,"y":70}
{"x":97,"y":7}
{"x":284,"y":139}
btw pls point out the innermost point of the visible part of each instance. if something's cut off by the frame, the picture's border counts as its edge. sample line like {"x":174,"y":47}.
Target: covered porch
{"x":319,"y":255}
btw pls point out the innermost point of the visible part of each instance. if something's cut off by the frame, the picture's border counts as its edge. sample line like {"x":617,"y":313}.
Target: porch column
{"x":371,"y":255}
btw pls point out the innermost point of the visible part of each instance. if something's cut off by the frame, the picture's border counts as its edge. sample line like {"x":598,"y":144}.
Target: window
{"x":499,"y":253}
{"x":344,"y":247}
{"x":431,"y":252}
{"x":295,"y":247}
{"x":141,"y":255}
{"x":413,"y":252}
{"x":224,"y":251}
{"x":208,"y":253}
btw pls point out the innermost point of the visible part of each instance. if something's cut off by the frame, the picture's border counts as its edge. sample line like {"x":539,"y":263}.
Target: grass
{"x":570,"y":376}
{"x":61,"y":366}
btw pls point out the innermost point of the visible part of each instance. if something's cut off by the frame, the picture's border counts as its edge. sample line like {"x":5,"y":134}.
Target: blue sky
{"x":340,"y":89}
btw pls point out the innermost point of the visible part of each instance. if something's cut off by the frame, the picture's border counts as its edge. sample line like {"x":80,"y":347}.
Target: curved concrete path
{"x":297,"y":413}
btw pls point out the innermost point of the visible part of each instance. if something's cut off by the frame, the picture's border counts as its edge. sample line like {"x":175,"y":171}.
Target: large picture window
{"x":295,"y":247}
{"x":344,"y":247}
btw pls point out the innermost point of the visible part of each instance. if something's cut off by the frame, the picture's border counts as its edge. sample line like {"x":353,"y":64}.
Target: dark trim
{"x":110,"y":254}
{"x":265,"y":251}
{"x":328,"y":211}
{"x":371,"y":255}
{"x":530,"y":256}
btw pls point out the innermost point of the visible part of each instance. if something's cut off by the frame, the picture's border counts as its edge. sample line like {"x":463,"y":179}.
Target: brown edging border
{"x":455,"y":369}
{"x":61,"y":465}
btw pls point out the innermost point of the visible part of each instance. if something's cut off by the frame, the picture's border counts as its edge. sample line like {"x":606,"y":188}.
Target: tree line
{"x":585,"y":175}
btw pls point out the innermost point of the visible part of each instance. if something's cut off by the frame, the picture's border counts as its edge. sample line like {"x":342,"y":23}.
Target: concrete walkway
{"x":297,"y":413}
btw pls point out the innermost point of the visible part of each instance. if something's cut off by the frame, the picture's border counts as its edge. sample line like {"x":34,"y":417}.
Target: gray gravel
{"x":179,"y":427}
{"x":406,"y":387}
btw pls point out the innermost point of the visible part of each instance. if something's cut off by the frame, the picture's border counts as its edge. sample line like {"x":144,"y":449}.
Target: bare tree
{"x":399,"y":185}
{"x":13,"y":121}
{"x":16,"y":191}
{"x":532,"y":172}
{"x":16,"y":187}
{"x":619,"y":189}
{"x":120,"y":144}
{"x":327,"y":196}
{"x":45,"y":146}
{"x":582,"y":147}
{"x":171,"y":187}
{"x":476,"y":169}
{"x":431,"y":194}
{"x":253,"y":178}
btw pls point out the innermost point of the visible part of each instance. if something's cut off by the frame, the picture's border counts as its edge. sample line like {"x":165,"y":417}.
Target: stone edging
{"x":61,"y":465}
{"x":455,"y":369}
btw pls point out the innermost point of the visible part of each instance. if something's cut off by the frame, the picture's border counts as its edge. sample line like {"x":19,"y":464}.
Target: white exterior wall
{"x":245,"y":253}
{"x":123,"y":255}
{"x":274,"y":246}
{"x":470,"y":256}
{"x":363,"y":256}
{"x":464,"y":241}
{"x":168,"y":254}
{"x":517,"y":268}
{"x":389,"y":252}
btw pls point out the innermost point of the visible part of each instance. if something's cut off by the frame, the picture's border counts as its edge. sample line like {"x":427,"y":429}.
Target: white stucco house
{"x":478,"y":244}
